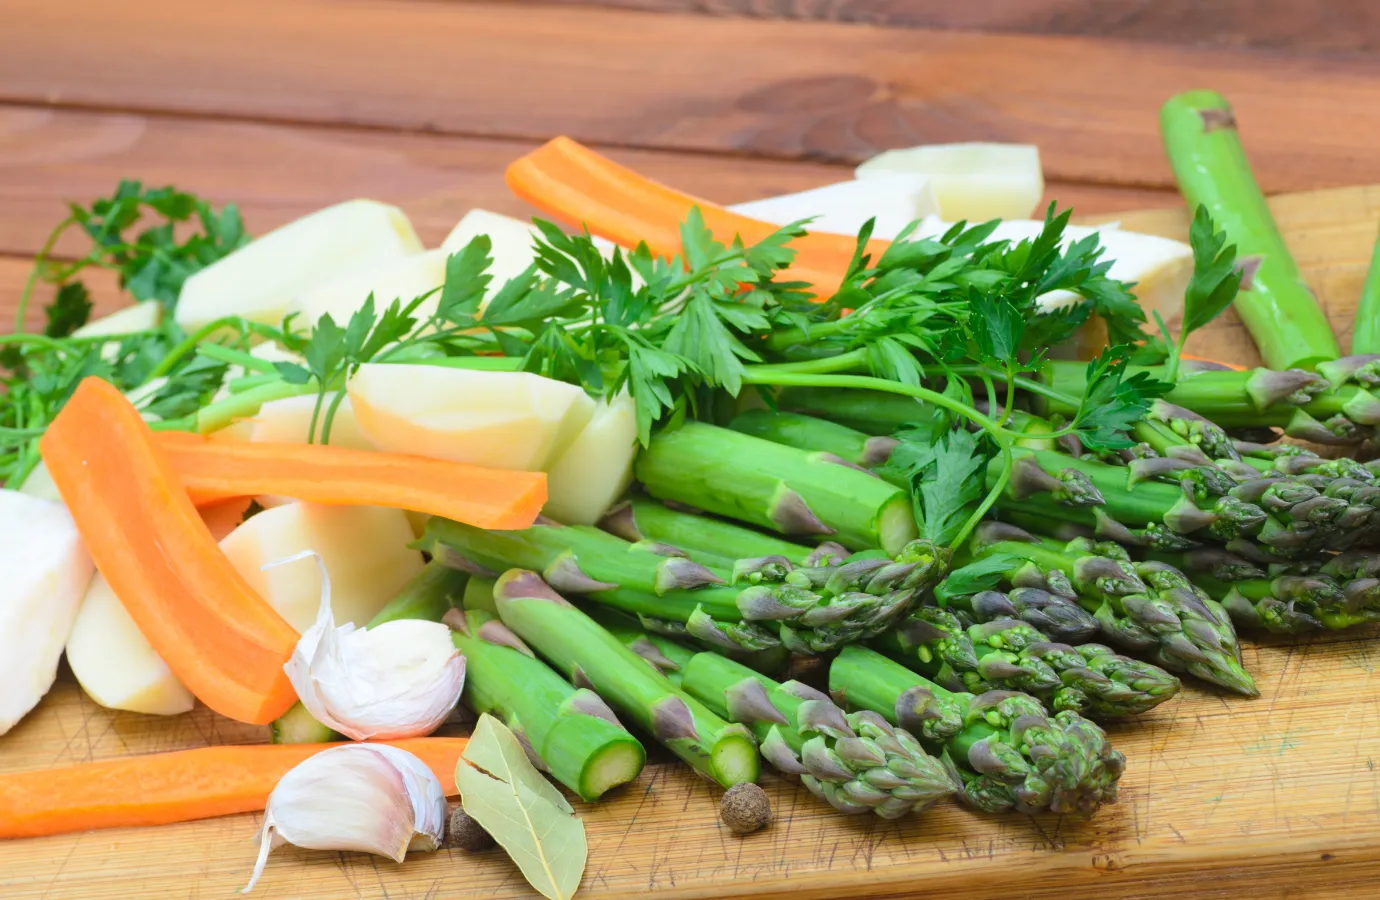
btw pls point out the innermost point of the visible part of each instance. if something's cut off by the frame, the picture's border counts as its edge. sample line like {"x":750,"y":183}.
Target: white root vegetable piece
{"x":503,"y":420}
{"x":139,"y":317}
{"x":593,"y":473}
{"x":115,"y":664}
{"x":511,"y":243}
{"x":46,"y":572}
{"x":975,"y":182}
{"x":288,"y":420}
{"x":40,"y":484}
{"x":395,"y":279}
{"x":258,"y":280}
{"x":364,"y":548}
{"x":894,"y":199}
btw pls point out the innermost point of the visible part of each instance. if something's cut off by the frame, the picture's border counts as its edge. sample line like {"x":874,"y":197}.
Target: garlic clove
{"x":363,"y":797}
{"x":398,"y":680}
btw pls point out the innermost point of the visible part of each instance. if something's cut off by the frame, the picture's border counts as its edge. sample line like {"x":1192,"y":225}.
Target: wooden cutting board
{"x":1222,"y":796}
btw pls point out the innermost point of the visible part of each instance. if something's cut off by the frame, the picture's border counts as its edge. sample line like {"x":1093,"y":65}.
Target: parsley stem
{"x":190,"y":343}
{"x":39,"y":260}
{"x":221,"y":353}
{"x":825,"y":365}
{"x":41,"y":340}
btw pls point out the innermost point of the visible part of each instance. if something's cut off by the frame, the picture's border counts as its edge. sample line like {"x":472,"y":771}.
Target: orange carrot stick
{"x":484,"y":498}
{"x":1218,"y":362}
{"x":162,"y":788}
{"x":583,"y":189}
{"x":224,"y":642}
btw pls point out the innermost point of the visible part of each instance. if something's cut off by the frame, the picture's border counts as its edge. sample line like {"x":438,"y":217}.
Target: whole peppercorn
{"x":465,"y":833}
{"x":745,"y":808}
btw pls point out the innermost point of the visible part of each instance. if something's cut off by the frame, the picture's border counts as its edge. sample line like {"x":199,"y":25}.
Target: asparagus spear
{"x":567,"y":731}
{"x":710,"y":541}
{"x":869,"y":412}
{"x":808,"y":610}
{"x":1295,"y":604}
{"x":1279,"y":309}
{"x":791,"y":491}
{"x":591,"y":657}
{"x":1149,"y":607}
{"x":1055,"y":616}
{"x":857,"y":763}
{"x":809,"y":433}
{"x":429,"y":594}
{"x":1006,"y":654}
{"x":1007,"y":750}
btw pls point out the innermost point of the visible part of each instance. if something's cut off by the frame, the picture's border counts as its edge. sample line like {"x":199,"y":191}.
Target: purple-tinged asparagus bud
{"x":1186,"y":517}
{"x":1273,"y":493}
{"x":748,"y":702}
{"x":1138,"y":470}
{"x":1191,"y":453}
{"x":1318,"y":511}
{"x":994,"y":532}
{"x":759,"y":569}
{"x":1361,"y":367}
{"x":588,"y":703}
{"x":791,"y":515}
{"x":500,"y":635}
{"x":682,"y":574}
{"x":776,"y":751}
{"x":1221,"y":564}
{"x":1069,"y":487}
{"x":457,"y":620}
{"x":825,"y":717}
{"x":989,"y":605}
{"x":1109,"y":529}
{"x":1362,"y":407}
{"x":521,"y":584}
{"x":580,"y":679}
{"x":1266,"y":387}
{"x":826,"y":554}
{"x":1337,"y":430}
{"x":565,"y":574}
{"x":622,"y":521}
{"x":649,"y":651}
{"x":1241,"y":471}
{"x":836,"y":460}
{"x":672,"y":720}
{"x":877,"y":450}
{"x":451,"y":558}
{"x":660,"y":548}
{"x":1029,"y":575}
{"x":1111,"y":576}
{"x":822,"y":763}
{"x":1362,"y":594}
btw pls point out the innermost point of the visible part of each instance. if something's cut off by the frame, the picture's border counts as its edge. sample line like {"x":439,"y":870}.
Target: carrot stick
{"x":583,"y":189}
{"x":220,"y":638}
{"x":162,"y":788}
{"x":484,"y":498}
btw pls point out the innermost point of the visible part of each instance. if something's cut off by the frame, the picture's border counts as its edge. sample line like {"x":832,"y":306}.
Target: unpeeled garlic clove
{"x":366,"y":797}
{"x":400,"y":679}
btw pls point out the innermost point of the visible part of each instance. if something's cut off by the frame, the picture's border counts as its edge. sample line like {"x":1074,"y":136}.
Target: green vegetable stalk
{"x":428,"y":595}
{"x":568,"y":731}
{"x":818,"y":435}
{"x":1210,"y":165}
{"x":808,"y":610}
{"x":794,"y":492}
{"x":1006,"y":748}
{"x":1007,"y":654}
{"x":591,"y":657}
{"x":1365,"y":330}
{"x":871,"y":412}
{"x":710,"y":541}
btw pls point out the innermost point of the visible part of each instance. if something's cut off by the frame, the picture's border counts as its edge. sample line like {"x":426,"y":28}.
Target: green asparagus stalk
{"x":1365,"y":330}
{"x":1057,"y":617}
{"x":807,"y":610}
{"x":569,"y":732}
{"x":1295,"y":604}
{"x":591,"y":657}
{"x":1277,"y":306}
{"x":1148,"y":608}
{"x":710,"y":541}
{"x":1330,"y":406}
{"x":1007,"y":750}
{"x":869,"y":412}
{"x":809,"y":433}
{"x":429,"y":595}
{"x":1007,"y":654}
{"x":793,"y":492}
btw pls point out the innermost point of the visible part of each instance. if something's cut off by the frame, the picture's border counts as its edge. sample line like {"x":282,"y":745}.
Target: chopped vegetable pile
{"x":904,"y":507}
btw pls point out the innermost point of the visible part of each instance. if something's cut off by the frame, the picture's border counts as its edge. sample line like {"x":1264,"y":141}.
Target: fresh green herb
{"x":1215,"y":282}
{"x":979,"y":575}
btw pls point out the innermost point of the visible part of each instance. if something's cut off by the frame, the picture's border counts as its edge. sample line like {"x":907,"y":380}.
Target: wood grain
{"x":782,"y":89}
{"x":279,"y":172}
{"x":1318,"y":26}
{"x":1223,"y":797}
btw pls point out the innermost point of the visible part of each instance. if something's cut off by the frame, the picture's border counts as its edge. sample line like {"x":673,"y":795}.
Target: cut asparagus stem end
{"x":616,"y":764}
{"x":896,"y":526}
{"x":735,"y":759}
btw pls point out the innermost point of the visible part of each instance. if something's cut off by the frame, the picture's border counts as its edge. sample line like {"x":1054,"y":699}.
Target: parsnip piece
{"x":364,"y":549}
{"x":504,"y":420}
{"x":975,"y":182}
{"x":258,"y":280}
{"x":593,"y":473}
{"x":115,"y":664}
{"x":47,"y":570}
{"x":511,"y":241}
{"x":287,"y":421}
{"x":141,"y":316}
{"x":894,"y":199}
{"x":396,"y":279}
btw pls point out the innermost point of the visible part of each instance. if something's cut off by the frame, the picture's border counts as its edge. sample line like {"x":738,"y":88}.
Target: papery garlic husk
{"x":400,"y":679}
{"x":366,"y":797}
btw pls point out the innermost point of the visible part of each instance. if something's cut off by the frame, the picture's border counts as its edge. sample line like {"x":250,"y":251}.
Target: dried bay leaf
{"x":502,"y":791}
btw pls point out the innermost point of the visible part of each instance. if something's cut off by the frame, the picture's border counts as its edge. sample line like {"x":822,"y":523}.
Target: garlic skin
{"x":400,"y":679}
{"x":364,"y":797}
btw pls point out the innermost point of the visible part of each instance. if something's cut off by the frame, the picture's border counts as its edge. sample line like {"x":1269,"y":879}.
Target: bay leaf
{"x":528,"y":817}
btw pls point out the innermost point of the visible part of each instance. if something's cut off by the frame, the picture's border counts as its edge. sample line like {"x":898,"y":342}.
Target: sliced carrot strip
{"x":224,"y":641}
{"x":162,"y":788}
{"x":484,"y":498}
{"x":1232,"y":366}
{"x":583,"y":189}
{"x":224,"y":516}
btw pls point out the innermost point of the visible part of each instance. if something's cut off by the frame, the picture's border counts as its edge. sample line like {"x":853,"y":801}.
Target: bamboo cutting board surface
{"x":1276,"y":797}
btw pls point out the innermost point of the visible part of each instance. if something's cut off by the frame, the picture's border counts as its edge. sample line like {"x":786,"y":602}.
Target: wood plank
{"x":785,"y":89}
{"x":1319,"y":26}
{"x":278,"y":172}
{"x":1223,"y":797}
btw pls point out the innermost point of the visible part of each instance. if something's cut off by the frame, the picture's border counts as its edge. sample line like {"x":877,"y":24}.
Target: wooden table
{"x":284,"y":106}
